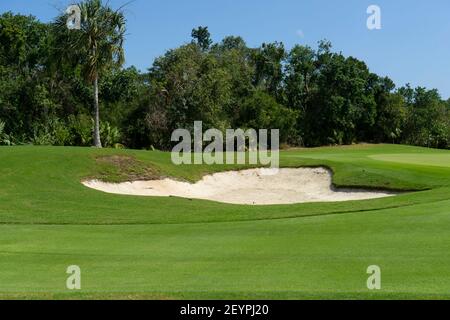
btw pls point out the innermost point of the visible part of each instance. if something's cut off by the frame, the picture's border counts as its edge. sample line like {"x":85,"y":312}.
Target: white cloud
{"x":300,"y":33}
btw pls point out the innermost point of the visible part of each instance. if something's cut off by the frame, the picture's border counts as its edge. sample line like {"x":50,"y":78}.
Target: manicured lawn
{"x":162,"y":248}
{"x":441,"y":160}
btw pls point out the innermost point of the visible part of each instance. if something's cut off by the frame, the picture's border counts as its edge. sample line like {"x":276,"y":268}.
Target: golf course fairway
{"x":131,"y":247}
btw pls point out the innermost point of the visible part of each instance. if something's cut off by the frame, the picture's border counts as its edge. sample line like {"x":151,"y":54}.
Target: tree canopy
{"x":313,"y":95}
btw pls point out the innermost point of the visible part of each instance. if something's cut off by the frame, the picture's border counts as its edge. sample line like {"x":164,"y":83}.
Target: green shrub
{"x":81,"y":128}
{"x":110,"y":135}
{"x":5,"y":139}
{"x":41,"y":136}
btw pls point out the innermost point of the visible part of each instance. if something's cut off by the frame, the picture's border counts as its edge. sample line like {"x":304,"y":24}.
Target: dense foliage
{"x":314,"y":96}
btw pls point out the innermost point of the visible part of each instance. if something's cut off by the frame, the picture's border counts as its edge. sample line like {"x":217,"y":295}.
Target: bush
{"x":4,"y":138}
{"x":41,"y":136}
{"x":61,"y":133}
{"x":110,"y":135}
{"x":261,"y":111}
{"x":81,"y":129}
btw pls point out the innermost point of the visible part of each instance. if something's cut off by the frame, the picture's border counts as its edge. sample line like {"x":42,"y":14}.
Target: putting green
{"x":160,"y":248}
{"x":438,"y":160}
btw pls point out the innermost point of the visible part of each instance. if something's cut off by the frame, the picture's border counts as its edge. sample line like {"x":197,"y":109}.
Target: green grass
{"x":439,"y":160}
{"x":165,"y":248}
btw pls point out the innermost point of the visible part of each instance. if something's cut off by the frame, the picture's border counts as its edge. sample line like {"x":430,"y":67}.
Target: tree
{"x":314,"y":96}
{"x":202,"y":37}
{"x":22,"y":40}
{"x":234,"y":57}
{"x":97,"y":46}
{"x":427,"y":120}
{"x":269,"y":67}
{"x":391,"y":111}
{"x":188,"y":84}
{"x":300,"y":73}
{"x":261,"y":111}
{"x":23,"y":54}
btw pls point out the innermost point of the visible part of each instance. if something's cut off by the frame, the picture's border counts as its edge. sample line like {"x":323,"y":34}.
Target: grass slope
{"x":163,"y":248}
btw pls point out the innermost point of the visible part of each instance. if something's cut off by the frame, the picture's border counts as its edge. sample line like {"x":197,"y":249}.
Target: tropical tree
{"x":97,"y":46}
{"x":201,"y":37}
{"x":268,"y":60}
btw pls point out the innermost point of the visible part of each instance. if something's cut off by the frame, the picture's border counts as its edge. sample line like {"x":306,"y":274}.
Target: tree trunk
{"x":97,"y":140}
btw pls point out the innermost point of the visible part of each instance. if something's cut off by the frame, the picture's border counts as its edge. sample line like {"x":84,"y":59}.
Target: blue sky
{"x":412,"y":46}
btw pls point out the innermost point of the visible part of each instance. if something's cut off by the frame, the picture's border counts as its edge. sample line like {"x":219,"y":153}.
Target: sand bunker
{"x":250,"y":187}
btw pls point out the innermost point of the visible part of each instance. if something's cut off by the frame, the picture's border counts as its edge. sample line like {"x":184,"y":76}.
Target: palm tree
{"x":96,"y":46}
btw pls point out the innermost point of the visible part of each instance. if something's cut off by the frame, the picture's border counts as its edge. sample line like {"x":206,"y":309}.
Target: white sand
{"x":251,"y":187}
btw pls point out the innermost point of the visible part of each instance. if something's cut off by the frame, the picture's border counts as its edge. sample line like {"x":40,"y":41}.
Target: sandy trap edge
{"x":248,"y":187}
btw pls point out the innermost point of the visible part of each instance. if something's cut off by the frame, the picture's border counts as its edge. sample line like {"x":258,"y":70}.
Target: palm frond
{"x":99,"y":42}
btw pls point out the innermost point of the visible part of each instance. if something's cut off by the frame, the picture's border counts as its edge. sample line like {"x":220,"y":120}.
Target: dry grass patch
{"x":119,"y":168}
